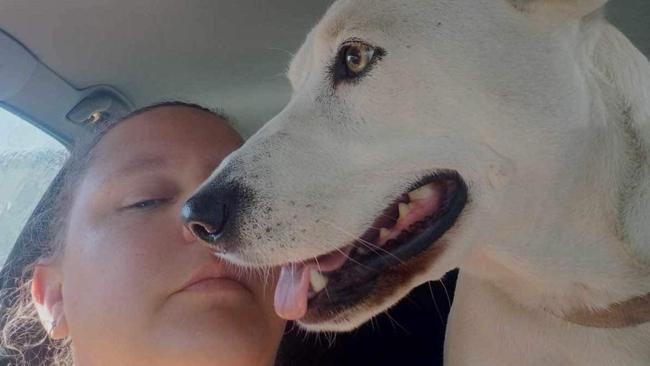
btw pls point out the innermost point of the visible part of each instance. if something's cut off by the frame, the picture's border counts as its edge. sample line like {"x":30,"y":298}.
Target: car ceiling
{"x":219,"y":53}
{"x":229,"y":54}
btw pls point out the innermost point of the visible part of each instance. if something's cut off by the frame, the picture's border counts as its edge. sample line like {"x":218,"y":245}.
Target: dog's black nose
{"x":205,"y":215}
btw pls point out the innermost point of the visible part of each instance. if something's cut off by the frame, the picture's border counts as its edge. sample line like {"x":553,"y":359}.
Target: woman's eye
{"x":354,"y":60}
{"x":148,"y":203}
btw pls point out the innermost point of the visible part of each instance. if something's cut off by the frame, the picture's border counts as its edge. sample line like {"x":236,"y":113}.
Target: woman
{"x":108,"y":274}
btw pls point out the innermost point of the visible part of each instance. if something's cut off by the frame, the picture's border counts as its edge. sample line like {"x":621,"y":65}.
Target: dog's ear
{"x":558,"y":9}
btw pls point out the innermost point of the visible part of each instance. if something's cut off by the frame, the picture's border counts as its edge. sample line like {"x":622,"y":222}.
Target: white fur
{"x":544,"y":110}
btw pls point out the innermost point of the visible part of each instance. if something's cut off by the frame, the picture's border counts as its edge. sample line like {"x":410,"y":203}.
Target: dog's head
{"x":422,"y":136}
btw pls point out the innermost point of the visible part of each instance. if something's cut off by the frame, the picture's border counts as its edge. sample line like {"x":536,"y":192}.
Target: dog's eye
{"x":358,"y":57}
{"x":354,"y":59}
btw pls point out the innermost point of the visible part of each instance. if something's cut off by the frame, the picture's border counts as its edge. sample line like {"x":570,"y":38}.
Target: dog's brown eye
{"x":353,"y":61}
{"x":358,"y":57}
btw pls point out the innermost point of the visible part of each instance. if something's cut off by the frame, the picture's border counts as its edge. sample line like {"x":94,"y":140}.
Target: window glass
{"x":29,"y":161}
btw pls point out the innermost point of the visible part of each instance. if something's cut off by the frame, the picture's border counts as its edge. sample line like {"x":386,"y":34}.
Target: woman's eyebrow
{"x":141,"y":164}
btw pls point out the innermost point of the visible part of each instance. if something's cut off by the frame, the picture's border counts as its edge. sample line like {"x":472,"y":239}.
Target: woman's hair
{"x":23,"y":340}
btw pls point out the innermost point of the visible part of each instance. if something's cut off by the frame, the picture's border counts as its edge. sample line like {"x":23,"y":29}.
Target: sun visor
{"x":17,"y":65}
{"x":37,"y":93}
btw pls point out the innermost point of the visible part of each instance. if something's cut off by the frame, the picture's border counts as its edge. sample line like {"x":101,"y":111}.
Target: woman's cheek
{"x":113,"y":273}
{"x":122,"y":253}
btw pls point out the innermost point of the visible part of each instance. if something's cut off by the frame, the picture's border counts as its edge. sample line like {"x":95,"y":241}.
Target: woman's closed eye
{"x":145,"y":194}
{"x":146,"y":204}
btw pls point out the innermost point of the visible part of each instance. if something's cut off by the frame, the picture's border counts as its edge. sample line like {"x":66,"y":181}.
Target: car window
{"x":29,"y":161}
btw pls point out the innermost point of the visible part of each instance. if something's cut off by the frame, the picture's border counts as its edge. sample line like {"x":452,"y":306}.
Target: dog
{"x":507,"y":138}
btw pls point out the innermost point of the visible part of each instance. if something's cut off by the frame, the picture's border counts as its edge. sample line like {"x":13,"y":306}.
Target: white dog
{"x":510,"y":138}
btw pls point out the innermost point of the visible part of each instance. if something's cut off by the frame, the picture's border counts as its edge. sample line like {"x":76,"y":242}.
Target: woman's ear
{"x":47,"y":294}
{"x":558,"y":9}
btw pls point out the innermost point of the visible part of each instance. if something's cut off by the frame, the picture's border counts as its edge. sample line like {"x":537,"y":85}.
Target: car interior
{"x":66,"y":66}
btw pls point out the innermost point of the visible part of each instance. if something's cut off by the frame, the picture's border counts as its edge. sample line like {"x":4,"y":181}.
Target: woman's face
{"x":128,"y":261}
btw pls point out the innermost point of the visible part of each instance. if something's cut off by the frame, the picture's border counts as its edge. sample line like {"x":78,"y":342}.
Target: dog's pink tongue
{"x":291,"y":292}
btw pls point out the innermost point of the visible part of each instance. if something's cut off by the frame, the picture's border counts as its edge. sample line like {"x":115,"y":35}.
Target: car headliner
{"x":230,"y":54}
{"x":219,"y":53}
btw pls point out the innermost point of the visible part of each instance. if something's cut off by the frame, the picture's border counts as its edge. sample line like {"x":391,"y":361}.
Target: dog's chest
{"x":485,"y":328}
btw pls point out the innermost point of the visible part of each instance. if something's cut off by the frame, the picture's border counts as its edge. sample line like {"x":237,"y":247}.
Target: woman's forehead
{"x":163,"y":136}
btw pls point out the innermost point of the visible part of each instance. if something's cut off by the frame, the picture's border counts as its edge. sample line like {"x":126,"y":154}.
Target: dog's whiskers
{"x":444,"y":287}
{"x":351,"y":259}
{"x":435,"y":303}
{"x":377,"y":249}
{"x":394,"y":322}
{"x":371,"y":246}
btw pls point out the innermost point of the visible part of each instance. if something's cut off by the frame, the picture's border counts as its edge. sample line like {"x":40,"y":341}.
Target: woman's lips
{"x":216,"y":276}
{"x":215,"y":284}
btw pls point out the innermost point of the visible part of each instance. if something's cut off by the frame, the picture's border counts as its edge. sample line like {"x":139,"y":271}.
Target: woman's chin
{"x":218,"y":330}
{"x":201,"y":347}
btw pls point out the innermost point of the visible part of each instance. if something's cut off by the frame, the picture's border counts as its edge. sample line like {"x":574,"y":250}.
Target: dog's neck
{"x":630,"y":77}
{"x":623,"y":75}
{"x":488,"y":328}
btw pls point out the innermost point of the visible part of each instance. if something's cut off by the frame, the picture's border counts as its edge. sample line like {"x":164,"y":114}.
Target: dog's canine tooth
{"x":404,"y":209}
{"x":317,"y":280}
{"x":422,"y":193}
{"x":383,"y":234}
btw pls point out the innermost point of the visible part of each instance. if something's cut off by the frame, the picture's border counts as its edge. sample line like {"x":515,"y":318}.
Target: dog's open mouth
{"x":318,"y":290}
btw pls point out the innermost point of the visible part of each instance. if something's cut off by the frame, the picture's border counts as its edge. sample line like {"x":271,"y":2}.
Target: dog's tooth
{"x":383,"y":234}
{"x":404,"y":209}
{"x":422,"y":193}
{"x":318,"y":281}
